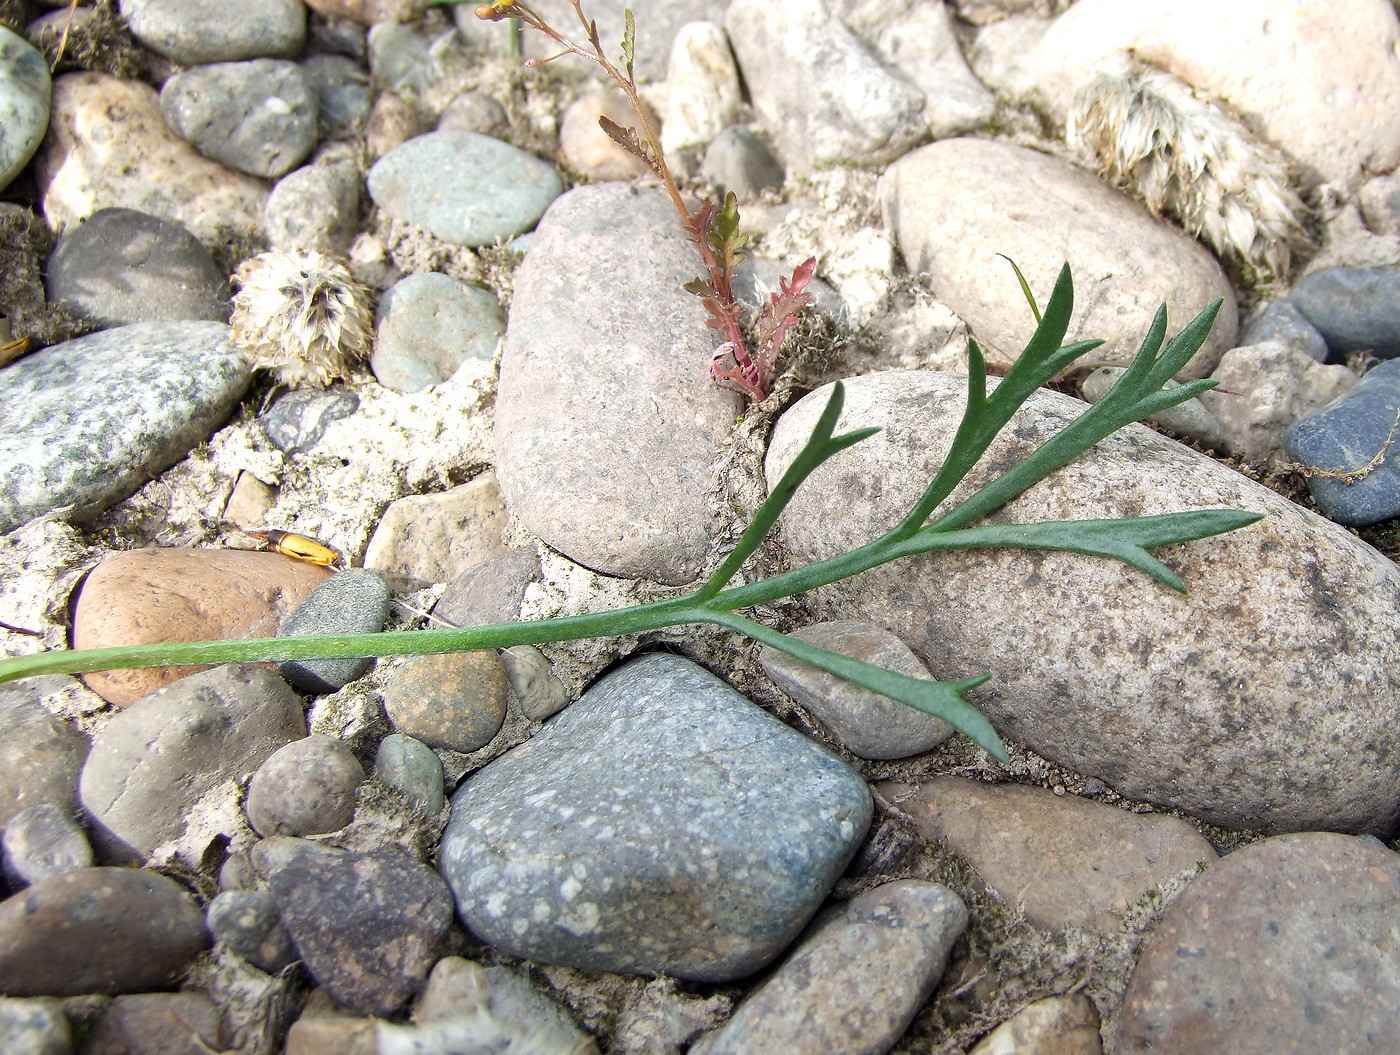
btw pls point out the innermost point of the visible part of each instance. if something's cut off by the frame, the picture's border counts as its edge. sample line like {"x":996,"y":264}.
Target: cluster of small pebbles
{"x":682,"y":841}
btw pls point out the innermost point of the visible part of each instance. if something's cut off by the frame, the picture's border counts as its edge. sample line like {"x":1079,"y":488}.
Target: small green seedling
{"x":1137,"y":394}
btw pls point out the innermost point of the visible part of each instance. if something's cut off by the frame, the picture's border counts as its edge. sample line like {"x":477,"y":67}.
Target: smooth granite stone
{"x":1345,"y":437}
{"x":1280,"y":320}
{"x":663,"y":824}
{"x":89,"y":421}
{"x":368,"y":926}
{"x":1354,"y":308}
{"x":428,"y":325}
{"x":97,"y":930}
{"x":258,"y":117}
{"x":25,"y":92}
{"x":354,"y":601}
{"x":198,"y":31}
{"x":464,"y":188}
{"x":121,"y":266}
{"x":298,"y":421}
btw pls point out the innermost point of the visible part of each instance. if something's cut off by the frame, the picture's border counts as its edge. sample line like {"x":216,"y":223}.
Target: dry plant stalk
{"x":1182,"y":154}
{"x":714,"y":232}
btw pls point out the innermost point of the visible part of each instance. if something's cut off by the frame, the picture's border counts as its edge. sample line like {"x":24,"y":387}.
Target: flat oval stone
{"x":198,"y":31}
{"x":354,"y":601}
{"x":89,"y":421}
{"x":97,"y":930}
{"x":455,"y":700}
{"x":1267,"y":698}
{"x":661,"y":825}
{"x":25,"y":91}
{"x":465,"y":188}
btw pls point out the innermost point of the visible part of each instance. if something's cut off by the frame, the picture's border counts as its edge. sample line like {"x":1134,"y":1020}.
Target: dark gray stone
{"x":43,"y":841}
{"x":368,"y":926}
{"x":1346,"y":436}
{"x":121,"y":266}
{"x":159,"y":1024}
{"x":661,"y":825}
{"x":342,"y":89}
{"x":428,"y":325}
{"x":1354,"y":308}
{"x":196,"y":31}
{"x":356,"y":601}
{"x":1280,"y":320}
{"x":259,"y":117}
{"x":89,"y":421}
{"x":247,"y":921}
{"x":737,"y":160}
{"x":298,"y":421}
{"x":40,"y":756}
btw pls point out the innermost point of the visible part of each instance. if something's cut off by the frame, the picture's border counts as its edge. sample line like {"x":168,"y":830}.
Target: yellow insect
{"x":301,"y":547}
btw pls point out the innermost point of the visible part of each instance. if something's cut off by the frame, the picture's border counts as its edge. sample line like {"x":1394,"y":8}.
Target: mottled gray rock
{"x":1060,"y":860}
{"x":306,"y":787}
{"x":868,"y":724}
{"x":737,"y":160}
{"x":159,"y":1024}
{"x":198,"y":31}
{"x":1354,"y":308}
{"x":856,"y":982}
{"x":342,"y":90}
{"x":97,"y":930}
{"x":606,"y":422}
{"x":1283,"y":653}
{"x":474,"y":111}
{"x":298,"y":421}
{"x":34,"y":1026}
{"x":41,"y":841}
{"x":1346,"y":437}
{"x":315,"y":208}
{"x":40,"y":756}
{"x":455,"y":700}
{"x":258,"y":117}
{"x":821,"y":93}
{"x":247,"y":922}
{"x":354,"y":601}
{"x":25,"y":91}
{"x":154,"y":761}
{"x":1280,"y":320}
{"x":491,"y":591}
{"x":411,"y":767}
{"x":540,"y":694}
{"x":88,"y":421}
{"x":954,"y":205}
{"x":464,"y":188}
{"x":660,"y":825}
{"x":1285,"y":946}
{"x":367,"y":926}
{"x":428,"y":325}
{"x":121,"y":266}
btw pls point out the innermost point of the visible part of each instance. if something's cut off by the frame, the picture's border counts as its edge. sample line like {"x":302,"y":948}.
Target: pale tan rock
{"x":1268,"y":697}
{"x":1062,"y":860}
{"x":392,"y":122}
{"x":369,"y":12}
{"x":1274,"y":61}
{"x":1057,"y":1025}
{"x":426,"y":539}
{"x":150,"y":596}
{"x":333,"y":1036}
{"x":109,"y":147}
{"x":588,"y":149}
{"x":956,"y":204}
{"x":703,"y":98}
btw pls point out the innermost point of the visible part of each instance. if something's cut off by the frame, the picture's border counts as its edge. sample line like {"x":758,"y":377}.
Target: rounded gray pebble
{"x":737,"y":160}
{"x":430,"y":324}
{"x":259,"y":117}
{"x":247,"y":921}
{"x":316,"y":207}
{"x":411,"y":767}
{"x":197,"y":31}
{"x":42,"y":841}
{"x":474,"y":112}
{"x":25,"y":90}
{"x":121,"y":266}
{"x":298,"y":421}
{"x":354,"y":602}
{"x":1354,"y":308}
{"x":307,"y":787}
{"x":1280,"y":320}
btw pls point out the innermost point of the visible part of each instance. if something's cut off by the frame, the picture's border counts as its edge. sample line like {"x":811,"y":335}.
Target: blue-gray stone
{"x":1280,"y":320}
{"x":737,"y":160}
{"x":1354,"y":308}
{"x":121,"y":266}
{"x":662,"y":824}
{"x":25,"y":90}
{"x":298,"y":421}
{"x":428,"y":325}
{"x":87,"y":422}
{"x":356,"y":601}
{"x":342,"y":86}
{"x":198,"y":31}
{"x":259,"y":117}
{"x":411,"y":766}
{"x":1346,"y":436}
{"x":464,"y":188}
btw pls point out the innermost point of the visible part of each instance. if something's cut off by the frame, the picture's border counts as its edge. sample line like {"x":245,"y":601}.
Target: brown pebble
{"x":456,"y":700}
{"x":158,"y":1024}
{"x":588,"y":149}
{"x":149,"y":596}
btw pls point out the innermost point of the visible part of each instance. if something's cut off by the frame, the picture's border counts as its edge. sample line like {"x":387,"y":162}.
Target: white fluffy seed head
{"x":302,"y":316}
{"x":1154,"y":135}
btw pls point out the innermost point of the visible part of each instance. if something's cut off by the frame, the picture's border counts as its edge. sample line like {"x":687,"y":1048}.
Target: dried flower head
{"x":301,"y":315}
{"x":1151,"y":133}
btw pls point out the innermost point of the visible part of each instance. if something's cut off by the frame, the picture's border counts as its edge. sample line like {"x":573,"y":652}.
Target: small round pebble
{"x":737,"y":160}
{"x":430,"y":324}
{"x":307,"y":787}
{"x":474,"y":112}
{"x":25,"y":92}
{"x":42,"y":841}
{"x":456,"y":700}
{"x":34,"y":1026}
{"x":298,"y":421}
{"x":356,"y":601}
{"x":197,"y":31}
{"x":40,"y":755}
{"x":1354,"y":308}
{"x":247,"y":922}
{"x":315,"y":208}
{"x":258,"y":117}
{"x":120,"y":266}
{"x":410,"y":766}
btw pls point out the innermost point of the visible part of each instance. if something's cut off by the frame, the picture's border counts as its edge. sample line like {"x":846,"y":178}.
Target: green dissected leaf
{"x":629,"y":42}
{"x":724,"y":235}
